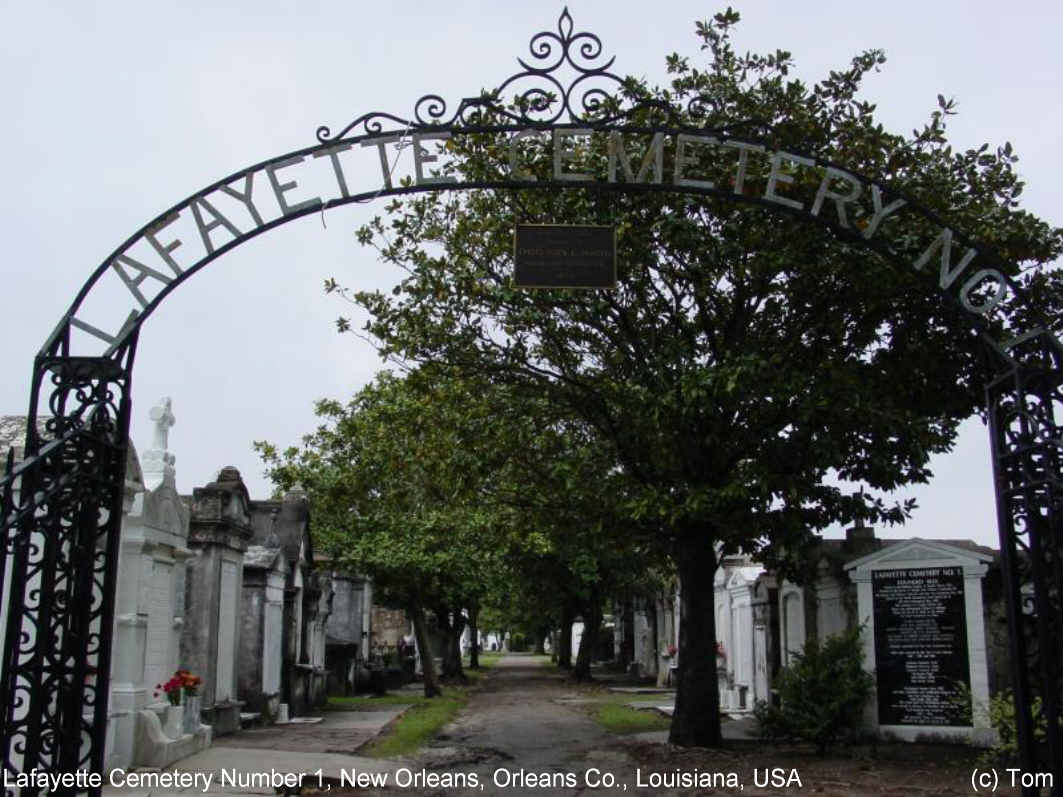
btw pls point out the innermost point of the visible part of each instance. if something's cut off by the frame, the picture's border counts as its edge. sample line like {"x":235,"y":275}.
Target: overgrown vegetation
{"x":1001,"y":711}
{"x":822,"y":694}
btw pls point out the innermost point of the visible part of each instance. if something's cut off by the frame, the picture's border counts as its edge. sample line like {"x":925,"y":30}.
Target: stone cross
{"x":157,"y":463}
{"x":164,"y":419}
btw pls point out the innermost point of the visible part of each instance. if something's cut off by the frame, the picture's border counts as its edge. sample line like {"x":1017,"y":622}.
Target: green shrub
{"x":1002,"y":718}
{"x":1001,"y":711}
{"x":822,"y":694}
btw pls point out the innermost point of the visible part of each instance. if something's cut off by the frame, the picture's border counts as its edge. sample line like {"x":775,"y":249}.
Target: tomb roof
{"x":947,"y":547}
{"x":229,"y":480}
{"x":747,"y":573}
{"x":259,"y":556}
{"x":838,"y":550}
{"x":289,"y":531}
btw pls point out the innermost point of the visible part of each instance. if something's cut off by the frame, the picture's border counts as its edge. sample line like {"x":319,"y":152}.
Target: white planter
{"x":172,"y":724}
{"x":191,"y":718}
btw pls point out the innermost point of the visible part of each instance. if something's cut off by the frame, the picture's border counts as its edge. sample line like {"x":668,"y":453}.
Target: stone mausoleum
{"x":225,"y":587}
{"x":934,"y":636}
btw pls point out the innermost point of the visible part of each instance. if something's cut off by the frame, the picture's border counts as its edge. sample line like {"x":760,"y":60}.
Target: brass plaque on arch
{"x":564,"y":256}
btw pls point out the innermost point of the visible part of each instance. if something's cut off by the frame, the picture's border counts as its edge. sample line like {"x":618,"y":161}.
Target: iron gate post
{"x":62,"y":514}
{"x":1025,"y":437}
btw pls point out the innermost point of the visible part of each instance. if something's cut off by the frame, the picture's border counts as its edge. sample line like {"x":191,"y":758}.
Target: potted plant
{"x":173,"y":720}
{"x":181,"y":718}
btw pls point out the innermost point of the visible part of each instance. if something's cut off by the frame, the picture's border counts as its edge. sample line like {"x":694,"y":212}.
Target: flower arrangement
{"x":181,"y":682}
{"x":189,"y":682}
{"x":669,"y":651}
{"x":172,"y":690}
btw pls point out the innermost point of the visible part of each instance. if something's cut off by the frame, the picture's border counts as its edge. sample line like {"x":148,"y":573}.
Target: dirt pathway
{"x":521,"y":733}
{"x":524,"y":732}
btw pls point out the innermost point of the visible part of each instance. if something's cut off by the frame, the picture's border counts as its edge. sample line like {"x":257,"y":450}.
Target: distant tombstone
{"x":921,"y":603}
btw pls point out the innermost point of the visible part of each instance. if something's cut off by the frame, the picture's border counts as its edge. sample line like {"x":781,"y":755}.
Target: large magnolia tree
{"x":748,"y":364}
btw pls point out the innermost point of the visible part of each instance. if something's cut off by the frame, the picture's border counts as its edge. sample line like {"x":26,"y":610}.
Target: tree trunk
{"x":428,"y":663}
{"x":564,"y":642}
{"x":540,"y":640}
{"x":651,"y":613}
{"x":627,"y":637}
{"x":452,"y":623}
{"x":696,"y":720}
{"x":592,"y":622}
{"x":474,"y":637}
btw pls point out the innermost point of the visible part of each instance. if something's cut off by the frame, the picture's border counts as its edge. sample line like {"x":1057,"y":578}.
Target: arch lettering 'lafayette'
{"x":61,"y":508}
{"x":193,"y":233}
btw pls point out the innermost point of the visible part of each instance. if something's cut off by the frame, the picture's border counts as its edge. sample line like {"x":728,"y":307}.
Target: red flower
{"x":181,"y":681}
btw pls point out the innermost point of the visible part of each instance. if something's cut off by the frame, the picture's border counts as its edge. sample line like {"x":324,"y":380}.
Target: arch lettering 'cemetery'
{"x":195,"y":232}
{"x":61,"y":507}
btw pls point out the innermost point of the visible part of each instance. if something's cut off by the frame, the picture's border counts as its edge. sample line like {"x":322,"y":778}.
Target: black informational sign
{"x":921,"y":646}
{"x":564,"y":256}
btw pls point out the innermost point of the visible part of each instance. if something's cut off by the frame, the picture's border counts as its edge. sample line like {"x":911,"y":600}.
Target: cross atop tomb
{"x":157,"y":462}
{"x":163,"y":417}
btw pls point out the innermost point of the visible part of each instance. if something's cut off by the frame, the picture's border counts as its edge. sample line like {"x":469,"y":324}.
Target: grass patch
{"x":366,"y":703}
{"x":617,"y":718}
{"x":426,"y":717}
{"x":489,"y":660}
{"x":417,"y":725}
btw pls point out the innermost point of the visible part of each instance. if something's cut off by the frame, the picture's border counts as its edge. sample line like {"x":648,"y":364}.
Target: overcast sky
{"x":115,"y":111}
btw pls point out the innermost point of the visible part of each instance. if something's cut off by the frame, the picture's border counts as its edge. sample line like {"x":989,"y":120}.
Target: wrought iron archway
{"x":62,"y":505}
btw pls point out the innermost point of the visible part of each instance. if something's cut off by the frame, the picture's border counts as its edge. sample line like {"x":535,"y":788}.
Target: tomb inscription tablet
{"x":921,"y":661}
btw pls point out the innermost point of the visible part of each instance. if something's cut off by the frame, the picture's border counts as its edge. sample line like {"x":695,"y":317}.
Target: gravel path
{"x":524,"y":732}
{"x":521,"y":734}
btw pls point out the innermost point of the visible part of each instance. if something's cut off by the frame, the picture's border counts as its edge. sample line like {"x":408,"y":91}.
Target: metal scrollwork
{"x":61,"y":511}
{"x":565,"y":79}
{"x":1025,"y":436}
{"x":548,"y":100}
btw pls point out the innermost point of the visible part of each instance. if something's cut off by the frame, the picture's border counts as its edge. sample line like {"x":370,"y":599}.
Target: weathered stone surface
{"x":219,"y":533}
